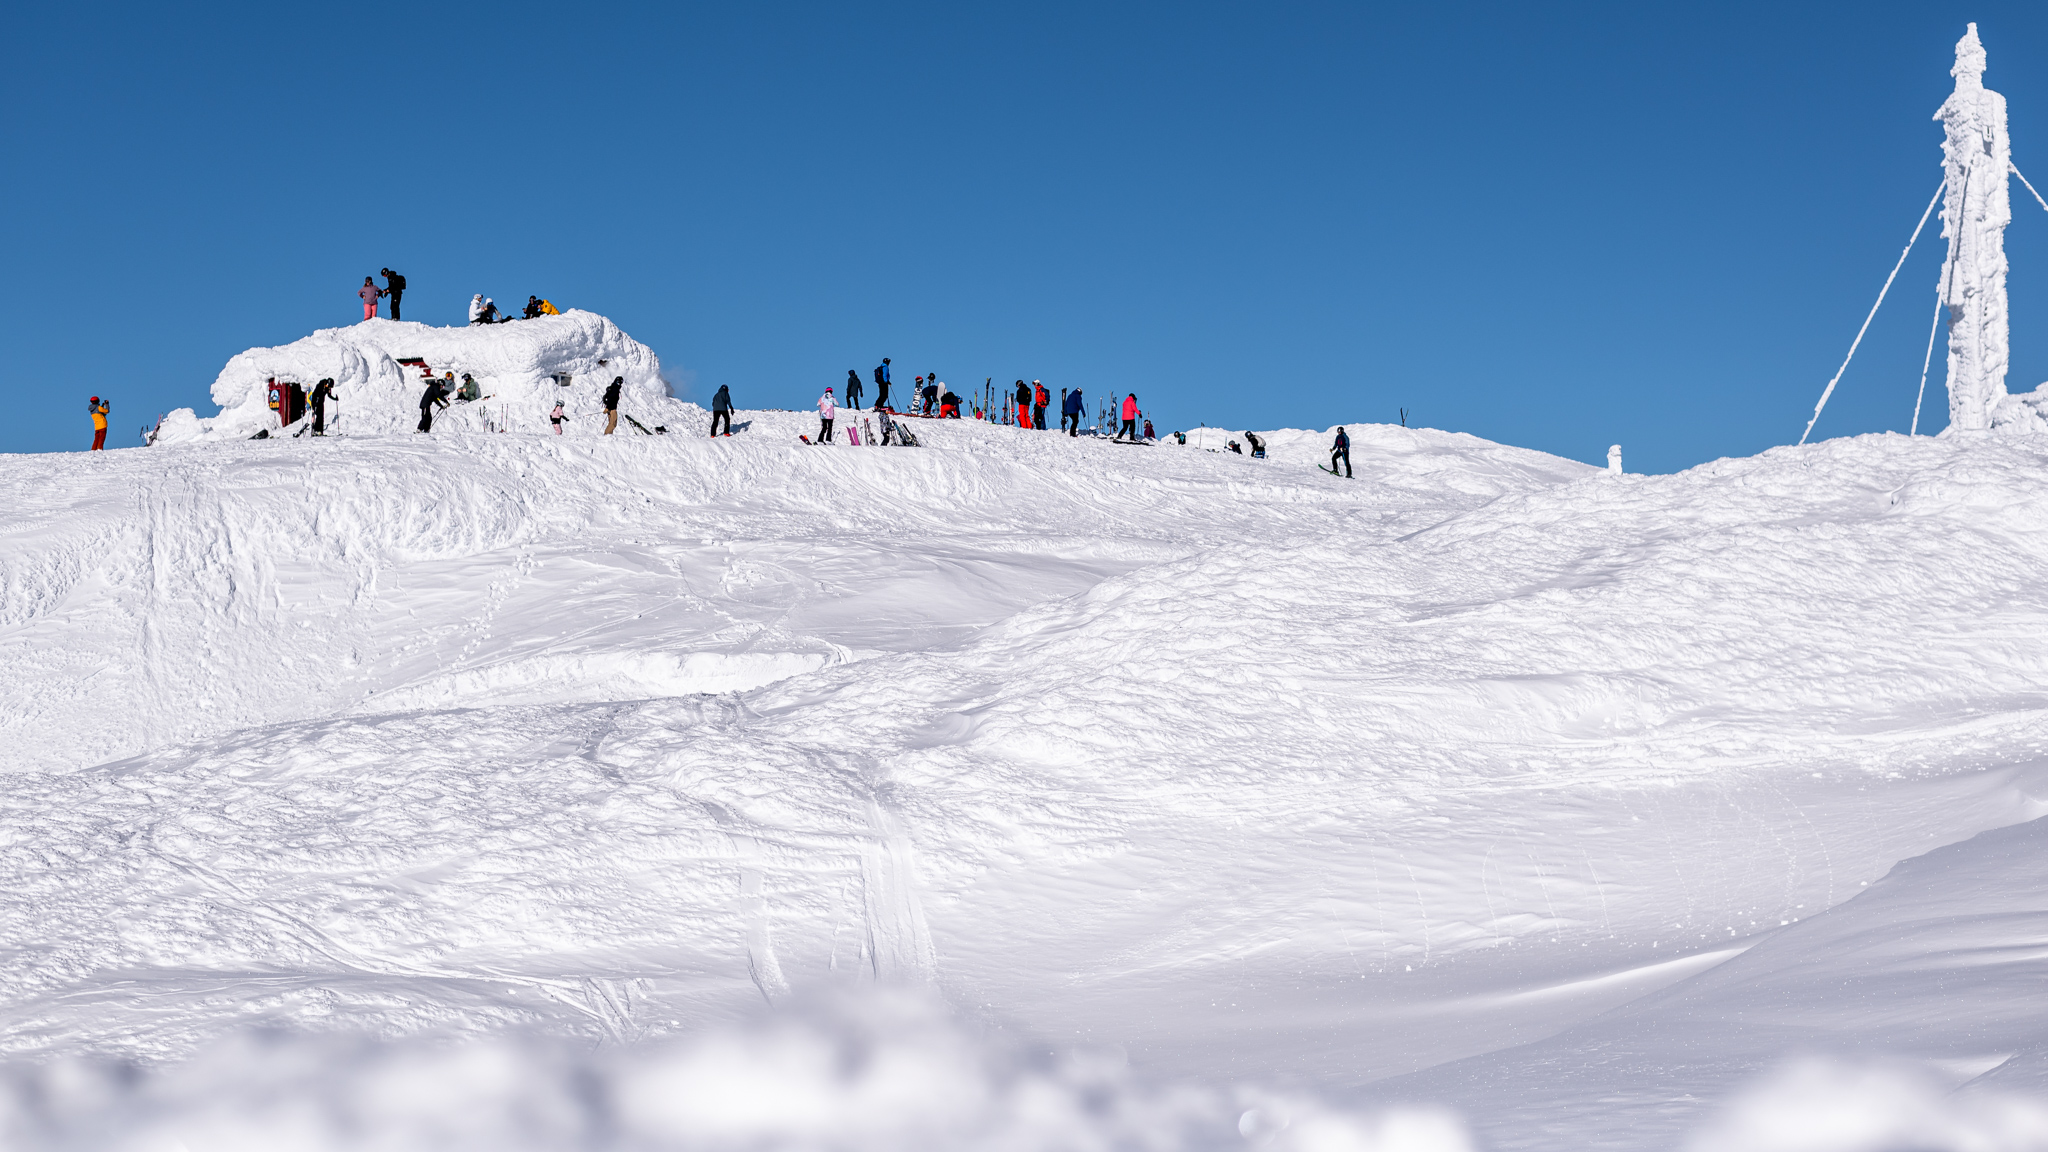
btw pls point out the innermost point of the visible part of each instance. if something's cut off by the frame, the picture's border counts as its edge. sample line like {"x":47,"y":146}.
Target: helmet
{"x":95,"y":399}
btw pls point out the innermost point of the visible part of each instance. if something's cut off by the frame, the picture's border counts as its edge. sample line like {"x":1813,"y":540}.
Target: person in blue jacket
{"x":1070,"y":413}
{"x":882,"y":384}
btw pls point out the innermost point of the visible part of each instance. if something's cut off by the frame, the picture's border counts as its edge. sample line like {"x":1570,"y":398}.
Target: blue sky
{"x":1554,"y":226}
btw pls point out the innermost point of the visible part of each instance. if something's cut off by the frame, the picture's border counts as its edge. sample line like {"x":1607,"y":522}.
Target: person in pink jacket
{"x":369,"y":292}
{"x":1130,"y":427}
{"x":827,"y":409}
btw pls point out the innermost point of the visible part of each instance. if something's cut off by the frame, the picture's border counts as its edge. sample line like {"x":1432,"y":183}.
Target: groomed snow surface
{"x":1016,"y":791}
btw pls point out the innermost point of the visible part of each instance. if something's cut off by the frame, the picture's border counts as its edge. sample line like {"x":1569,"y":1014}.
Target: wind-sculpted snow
{"x":1261,"y":776}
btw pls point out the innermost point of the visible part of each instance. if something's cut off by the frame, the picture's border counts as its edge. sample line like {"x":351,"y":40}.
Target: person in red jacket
{"x":1041,"y":396}
{"x":1130,"y":415}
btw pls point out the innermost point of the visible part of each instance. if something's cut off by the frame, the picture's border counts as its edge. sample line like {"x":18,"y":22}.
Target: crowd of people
{"x":1025,"y":406}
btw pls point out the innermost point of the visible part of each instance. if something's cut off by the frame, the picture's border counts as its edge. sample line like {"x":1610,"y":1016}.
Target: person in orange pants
{"x":99,"y":424}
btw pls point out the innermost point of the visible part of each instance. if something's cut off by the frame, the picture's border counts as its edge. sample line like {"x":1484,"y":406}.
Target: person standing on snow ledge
{"x":827,"y":409}
{"x":611,"y":404}
{"x":1070,"y":413}
{"x":721,"y":409}
{"x":98,"y":408}
{"x":394,"y":287}
{"x":1341,"y":450}
{"x":369,"y":293}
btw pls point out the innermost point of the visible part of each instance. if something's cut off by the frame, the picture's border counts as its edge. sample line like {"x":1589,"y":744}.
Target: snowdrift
{"x":520,"y":365}
{"x":1251,"y":773}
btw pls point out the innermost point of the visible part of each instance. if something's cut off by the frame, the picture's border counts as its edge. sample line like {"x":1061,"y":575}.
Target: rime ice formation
{"x":518,"y":365}
{"x":1975,"y":210}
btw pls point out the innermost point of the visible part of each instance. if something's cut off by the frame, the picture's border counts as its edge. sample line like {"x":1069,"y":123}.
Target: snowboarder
{"x":476,"y":308}
{"x":1130,"y":425}
{"x":1341,"y":450}
{"x":1251,"y":438}
{"x":394,"y":287}
{"x":1040,"y":398}
{"x":611,"y":404}
{"x":1070,"y":413}
{"x":369,"y":293}
{"x":1022,"y":398}
{"x":721,"y":409}
{"x":321,"y":392}
{"x":99,"y":409}
{"x":557,"y":416}
{"x":436,"y":393}
{"x":827,"y":409}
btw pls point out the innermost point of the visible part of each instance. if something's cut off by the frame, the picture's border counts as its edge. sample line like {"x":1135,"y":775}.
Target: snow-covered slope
{"x":1253,"y":773}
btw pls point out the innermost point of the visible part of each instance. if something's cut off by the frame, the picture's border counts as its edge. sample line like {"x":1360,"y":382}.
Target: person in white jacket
{"x":827,"y":409}
{"x":476,"y":307}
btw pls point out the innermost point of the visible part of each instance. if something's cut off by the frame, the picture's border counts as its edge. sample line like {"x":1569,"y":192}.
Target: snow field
{"x":1256,"y":775}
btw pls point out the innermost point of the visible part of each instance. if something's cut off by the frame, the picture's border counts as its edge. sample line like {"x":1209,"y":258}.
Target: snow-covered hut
{"x":379,"y":369}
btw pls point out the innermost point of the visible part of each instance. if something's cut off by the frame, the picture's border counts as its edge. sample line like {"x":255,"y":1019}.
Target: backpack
{"x":878,"y":375}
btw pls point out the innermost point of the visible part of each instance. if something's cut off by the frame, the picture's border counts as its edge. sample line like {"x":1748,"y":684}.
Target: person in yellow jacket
{"x":99,"y":423}
{"x":535,"y":306}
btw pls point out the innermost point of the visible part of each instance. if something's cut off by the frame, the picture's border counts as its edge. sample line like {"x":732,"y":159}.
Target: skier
{"x":881,"y":384}
{"x":1040,"y":397}
{"x":1130,"y":426}
{"x":1070,"y":413}
{"x":1023,"y":401}
{"x":436,"y":393}
{"x":369,"y":293}
{"x":1251,"y":438}
{"x":1341,"y":450}
{"x":394,"y":288}
{"x":99,"y":409}
{"x":476,"y":308}
{"x":321,"y":392}
{"x":557,"y":416}
{"x":853,"y":390}
{"x":827,"y":409}
{"x":721,"y":409}
{"x":611,"y":404}
{"x":1233,"y":446}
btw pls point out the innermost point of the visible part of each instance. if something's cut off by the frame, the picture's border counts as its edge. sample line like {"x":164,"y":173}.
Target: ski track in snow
{"x":1255,"y":773}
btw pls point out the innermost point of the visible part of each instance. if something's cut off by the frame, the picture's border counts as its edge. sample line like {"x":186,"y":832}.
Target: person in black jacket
{"x":436,"y":393}
{"x":721,"y":409}
{"x":394,"y":287}
{"x":1023,"y":401}
{"x":321,"y":392}
{"x":1341,"y":450}
{"x":611,"y":404}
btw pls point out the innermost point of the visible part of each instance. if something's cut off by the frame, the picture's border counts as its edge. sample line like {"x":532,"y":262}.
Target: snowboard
{"x":853,"y":435}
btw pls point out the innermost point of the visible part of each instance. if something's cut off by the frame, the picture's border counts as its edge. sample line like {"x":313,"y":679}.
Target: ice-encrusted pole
{"x":1974,"y":213}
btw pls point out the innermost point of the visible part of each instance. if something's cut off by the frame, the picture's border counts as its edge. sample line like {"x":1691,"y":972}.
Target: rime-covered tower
{"x":1974,"y":213}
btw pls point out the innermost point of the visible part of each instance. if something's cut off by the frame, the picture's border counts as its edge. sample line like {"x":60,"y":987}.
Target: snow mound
{"x":518,"y":364}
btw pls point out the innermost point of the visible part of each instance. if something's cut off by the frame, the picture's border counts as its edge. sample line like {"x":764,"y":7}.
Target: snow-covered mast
{"x":1974,"y":213}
